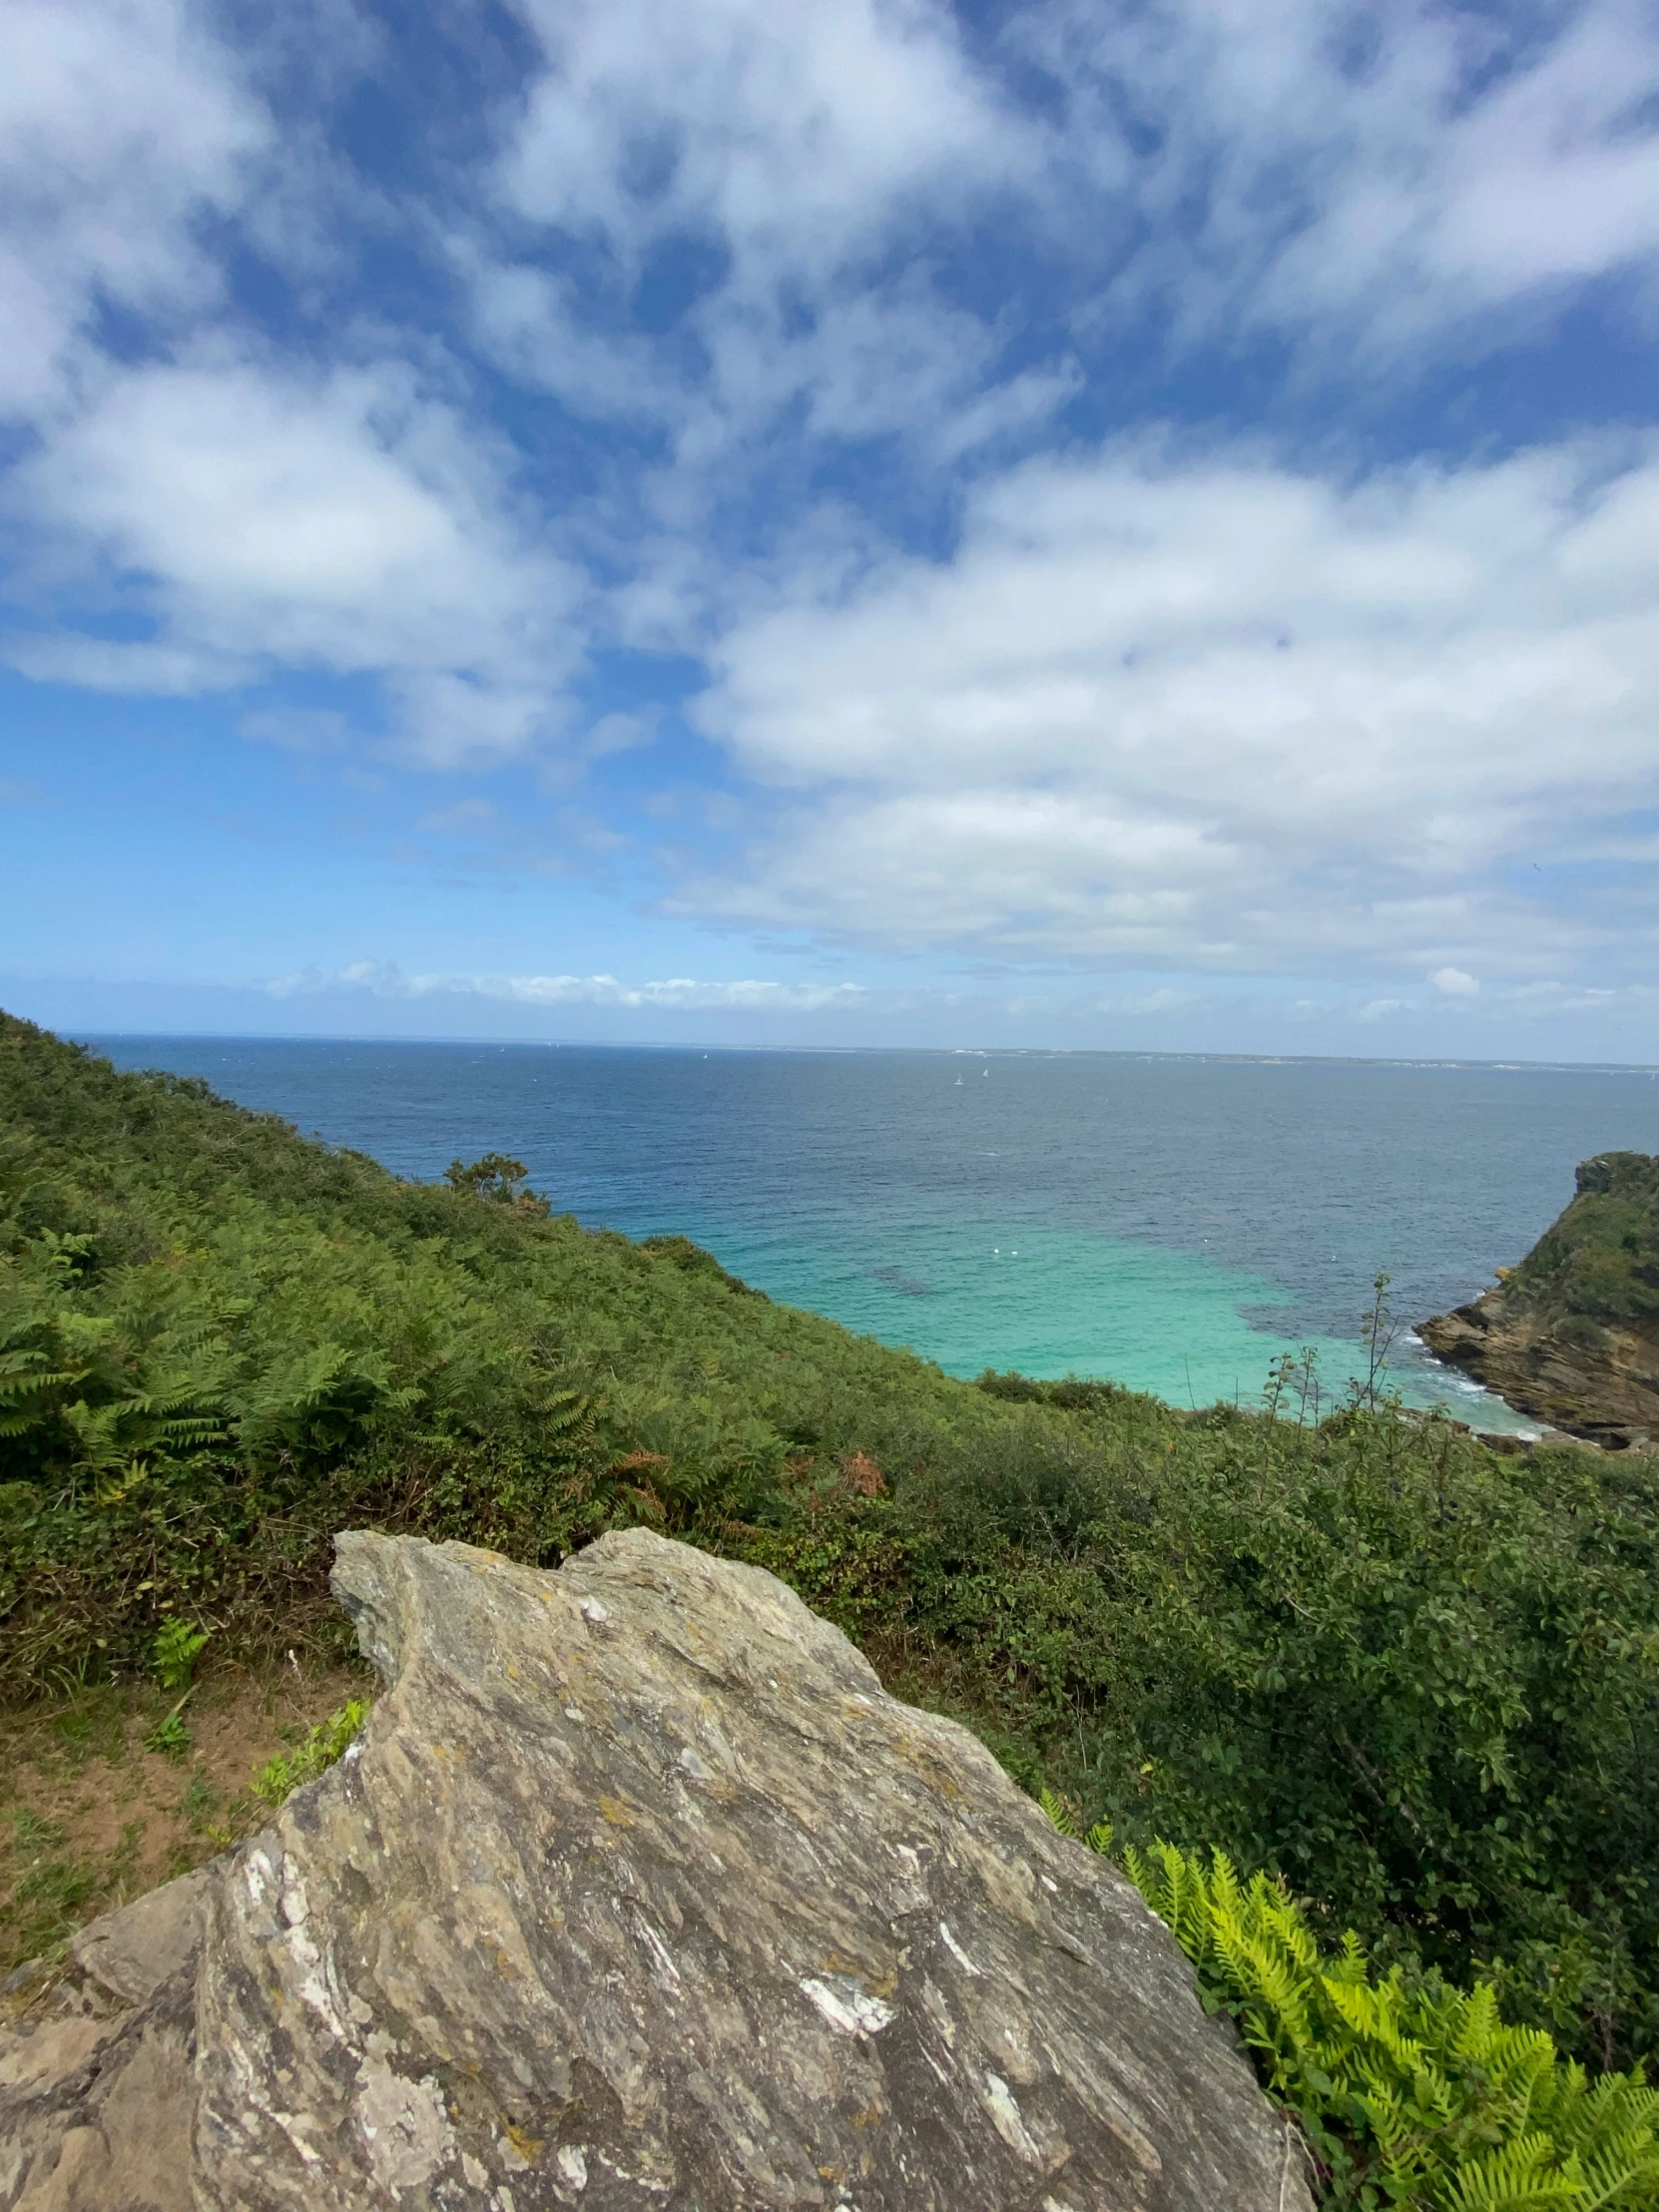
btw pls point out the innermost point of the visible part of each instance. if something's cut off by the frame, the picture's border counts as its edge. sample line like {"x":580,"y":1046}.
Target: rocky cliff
{"x":638,"y":1891}
{"x":1572,"y":1334}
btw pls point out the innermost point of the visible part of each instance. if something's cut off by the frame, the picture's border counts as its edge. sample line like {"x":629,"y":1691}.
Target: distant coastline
{"x":97,"y":1038}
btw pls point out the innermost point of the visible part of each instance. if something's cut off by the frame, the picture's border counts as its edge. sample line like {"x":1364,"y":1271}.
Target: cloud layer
{"x":346,"y":525}
{"x":1142,"y":489}
{"x":1214,"y":712}
{"x":679,"y":994}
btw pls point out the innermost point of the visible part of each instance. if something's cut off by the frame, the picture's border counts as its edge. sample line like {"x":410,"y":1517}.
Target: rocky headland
{"x":1572,"y":1334}
{"x":637,"y":1890}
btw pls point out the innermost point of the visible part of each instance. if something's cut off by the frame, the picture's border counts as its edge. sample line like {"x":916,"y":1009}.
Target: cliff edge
{"x":638,"y":1891}
{"x":1572,"y":1334}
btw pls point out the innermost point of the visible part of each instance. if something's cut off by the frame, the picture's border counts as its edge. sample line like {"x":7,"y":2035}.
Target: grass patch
{"x":50,"y":1890}
{"x":90,"y":1818}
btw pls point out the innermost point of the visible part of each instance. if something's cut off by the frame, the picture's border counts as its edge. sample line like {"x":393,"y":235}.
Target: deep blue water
{"x":1173,"y":1224}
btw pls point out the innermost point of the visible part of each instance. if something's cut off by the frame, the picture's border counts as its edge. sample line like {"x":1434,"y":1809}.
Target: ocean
{"x":1174,"y":1223}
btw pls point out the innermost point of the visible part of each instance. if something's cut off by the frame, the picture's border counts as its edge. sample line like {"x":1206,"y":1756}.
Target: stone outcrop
{"x":1604,"y":1393}
{"x":97,"y":2087}
{"x":638,"y":1891}
{"x":1572,"y":1334}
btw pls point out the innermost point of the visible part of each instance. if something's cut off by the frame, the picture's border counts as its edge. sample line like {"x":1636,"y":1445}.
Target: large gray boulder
{"x":641,"y":1891}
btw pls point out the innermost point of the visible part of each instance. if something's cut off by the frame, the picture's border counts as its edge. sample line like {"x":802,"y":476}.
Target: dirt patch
{"x":94,"y":1810}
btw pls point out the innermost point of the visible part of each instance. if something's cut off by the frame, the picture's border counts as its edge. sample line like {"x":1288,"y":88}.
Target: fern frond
{"x":1520,"y":2176}
{"x":1058,"y":1811}
{"x":1454,"y":2109}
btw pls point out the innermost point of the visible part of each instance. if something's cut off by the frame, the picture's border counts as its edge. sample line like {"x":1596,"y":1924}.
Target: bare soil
{"x":92,"y":1812}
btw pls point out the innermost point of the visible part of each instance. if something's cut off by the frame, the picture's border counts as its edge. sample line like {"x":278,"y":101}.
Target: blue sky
{"x":1126,"y":526}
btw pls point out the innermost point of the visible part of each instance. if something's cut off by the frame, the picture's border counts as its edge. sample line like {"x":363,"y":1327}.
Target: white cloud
{"x":1394,"y":172}
{"x":806,"y":160}
{"x":264,"y":514}
{"x":1398,"y":180}
{"x":467,"y":817}
{"x":1455,"y":982}
{"x":1164,"y":1001}
{"x":298,"y":729}
{"x":110,"y":665}
{"x":1156,"y":708}
{"x":121,"y":126}
{"x":796,"y":136}
{"x":620,"y":733}
{"x":1208,"y":711}
{"x":682,"y":993}
{"x":346,"y":523}
{"x":1259,"y":1015}
{"x":1551,"y":1001}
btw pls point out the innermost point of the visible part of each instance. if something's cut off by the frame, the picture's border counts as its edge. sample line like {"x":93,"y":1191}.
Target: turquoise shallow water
{"x":1175,"y":1225}
{"x":1048,"y":1302}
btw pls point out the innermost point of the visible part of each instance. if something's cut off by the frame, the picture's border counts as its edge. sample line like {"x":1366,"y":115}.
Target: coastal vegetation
{"x":1571,"y":1333}
{"x":1410,"y":2092}
{"x":1346,"y":1646}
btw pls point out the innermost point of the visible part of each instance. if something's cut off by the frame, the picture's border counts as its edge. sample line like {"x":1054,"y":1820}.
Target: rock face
{"x":640,"y":1891}
{"x":97,"y":2090}
{"x":1572,"y":1334}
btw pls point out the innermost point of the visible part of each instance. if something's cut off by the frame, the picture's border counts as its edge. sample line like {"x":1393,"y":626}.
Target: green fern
{"x":28,"y":1382}
{"x":179,"y":1644}
{"x":1411,"y":2093}
{"x":1058,"y":1811}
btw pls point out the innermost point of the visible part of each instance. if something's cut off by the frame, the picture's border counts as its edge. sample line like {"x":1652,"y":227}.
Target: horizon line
{"x":1502,"y":1065}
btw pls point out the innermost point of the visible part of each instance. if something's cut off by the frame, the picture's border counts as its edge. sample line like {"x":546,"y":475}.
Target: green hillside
{"x":1600,"y":1260}
{"x":1420,"y":1679}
